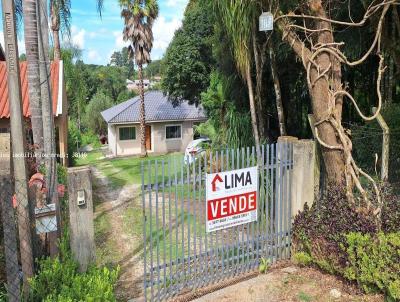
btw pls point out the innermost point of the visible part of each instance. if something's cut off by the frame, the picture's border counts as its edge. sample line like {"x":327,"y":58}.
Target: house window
{"x":173,"y":132}
{"x":4,"y":130}
{"x":127,"y":133}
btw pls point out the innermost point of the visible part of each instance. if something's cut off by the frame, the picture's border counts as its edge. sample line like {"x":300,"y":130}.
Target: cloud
{"x":94,"y":56}
{"x":174,"y":3}
{"x":78,"y":36}
{"x":119,"y":40}
{"x":164,"y":31}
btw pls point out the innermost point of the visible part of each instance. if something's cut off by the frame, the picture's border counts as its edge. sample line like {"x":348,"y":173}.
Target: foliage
{"x":374,"y":262}
{"x":74,"y":141}
{"x":341,"y":240}
{"x":365,"y":153}
{"x":121,"y":59}
{"x":226,"y":126}
{"x":91,"y":138}
{"x":139,"y":17}
{"x":188,"y":60}
{"x":93,"y":119}
{"x":302,"y":258}
{"x":58,"y":279}
{"x":153,"y":69}
{"x":264,"y":265}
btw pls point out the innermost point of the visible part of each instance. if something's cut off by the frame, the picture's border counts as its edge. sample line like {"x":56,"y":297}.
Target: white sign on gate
{"x":231,"y":198}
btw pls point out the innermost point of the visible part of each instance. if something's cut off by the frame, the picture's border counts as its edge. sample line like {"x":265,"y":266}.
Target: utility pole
{"x":18,"y":141}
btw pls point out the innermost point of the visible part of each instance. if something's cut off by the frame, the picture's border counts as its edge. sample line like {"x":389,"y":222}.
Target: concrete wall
{"x":305,"y":177}
{"x":159,"y":143}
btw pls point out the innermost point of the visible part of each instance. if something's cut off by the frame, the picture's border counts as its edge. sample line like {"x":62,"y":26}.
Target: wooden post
{"x":18,"y":141}
{"x":81,"y":216}
{"x":385,"y":146}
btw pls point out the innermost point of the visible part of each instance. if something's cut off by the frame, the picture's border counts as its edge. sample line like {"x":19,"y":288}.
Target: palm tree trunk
{"x":55,"y":28}
{"x":57,"y":47}
{"x":32,"y":58}
{"x":143,"y":150}
{"x":278,"y":94}
{"x":48,"y":121}
{"x":253,"y":111}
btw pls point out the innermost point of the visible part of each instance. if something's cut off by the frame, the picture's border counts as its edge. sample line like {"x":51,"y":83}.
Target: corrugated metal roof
{"x":4,"y":103}
{"x":157,"y":107}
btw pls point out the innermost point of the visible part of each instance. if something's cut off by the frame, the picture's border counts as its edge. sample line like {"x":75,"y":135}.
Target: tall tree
{"x":238,"y":19}
{"x":188,"y":61}
{"x":32,"y":56}
{"x":314,"y":42}
{"x":60,"y":16}
{"x":139,"y":17}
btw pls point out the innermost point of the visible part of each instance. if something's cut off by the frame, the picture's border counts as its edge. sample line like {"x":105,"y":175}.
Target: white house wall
{"x":163,"y":145}
{"x":159,"y":143}
{"x":112,"y":138}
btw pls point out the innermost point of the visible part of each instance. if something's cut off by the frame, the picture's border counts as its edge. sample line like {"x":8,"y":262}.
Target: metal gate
{"x":179,"y":255}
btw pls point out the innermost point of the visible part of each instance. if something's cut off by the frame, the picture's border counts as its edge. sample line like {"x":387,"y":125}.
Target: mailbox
{"x":81,"y":201}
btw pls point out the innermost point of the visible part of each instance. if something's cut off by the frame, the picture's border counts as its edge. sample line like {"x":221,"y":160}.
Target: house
{"x":59,"y":99}
{"x":168,"y":128}
{"x":135,"y":85}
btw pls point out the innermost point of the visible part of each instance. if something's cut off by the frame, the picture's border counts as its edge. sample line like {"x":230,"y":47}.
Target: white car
{"x":196,"y":148}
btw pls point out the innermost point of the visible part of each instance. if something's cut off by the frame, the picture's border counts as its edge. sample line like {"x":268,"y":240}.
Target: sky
{"x":100,"y":37}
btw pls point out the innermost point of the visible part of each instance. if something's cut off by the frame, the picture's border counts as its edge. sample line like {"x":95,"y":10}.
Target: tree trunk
{"x":18,"y":137}
{"x":32,"y":58}
{"x":259,"y":61}
{"x":333,"y":158}
{"x":143,"y":151}
{"x":57,"y":47}
{"x":253,"y":111}
{"x":48,"y":121}
{"x":55,"y":28}
{"x":278,"y":94}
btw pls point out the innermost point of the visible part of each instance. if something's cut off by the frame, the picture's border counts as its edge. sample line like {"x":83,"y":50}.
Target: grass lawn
{"x":125,"y":170}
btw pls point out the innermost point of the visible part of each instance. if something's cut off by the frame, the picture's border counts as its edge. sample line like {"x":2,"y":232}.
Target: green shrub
{"x":335,"y":237}
{"x":374,"y":262}
{"x":90,"y":138}
{"x":58,"y":279}
{"x":302,"y":258}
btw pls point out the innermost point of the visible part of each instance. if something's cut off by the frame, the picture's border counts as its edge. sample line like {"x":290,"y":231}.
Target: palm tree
{"x":238,"y":19}
{"x":32,"y":57}
{"x":60,"y":16}
{"x":139,"y":16}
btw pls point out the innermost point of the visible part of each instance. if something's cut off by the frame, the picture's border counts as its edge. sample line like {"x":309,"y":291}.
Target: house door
{"x":148,"y":137}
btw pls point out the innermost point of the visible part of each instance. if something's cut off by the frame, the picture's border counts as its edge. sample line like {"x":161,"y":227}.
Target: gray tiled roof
{"x":157,"y":108}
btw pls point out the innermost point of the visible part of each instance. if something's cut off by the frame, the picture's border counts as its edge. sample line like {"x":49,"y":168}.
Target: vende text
{"x":232,"y":205}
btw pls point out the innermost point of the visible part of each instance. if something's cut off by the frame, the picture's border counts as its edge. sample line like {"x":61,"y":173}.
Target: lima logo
{"x":232,"y":181}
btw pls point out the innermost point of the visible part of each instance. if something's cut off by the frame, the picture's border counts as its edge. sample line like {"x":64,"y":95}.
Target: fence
{"x":179,"y":254}
{"x":25,"y":226}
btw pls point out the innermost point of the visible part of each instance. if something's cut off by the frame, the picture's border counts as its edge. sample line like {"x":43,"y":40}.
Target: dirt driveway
{"x":290,"y":284}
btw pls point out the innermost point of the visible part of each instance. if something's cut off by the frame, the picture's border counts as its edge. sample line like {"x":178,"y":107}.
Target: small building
{"x":59,"y":101}
{"x":168,"y":128}
{"x":135,"y":85}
